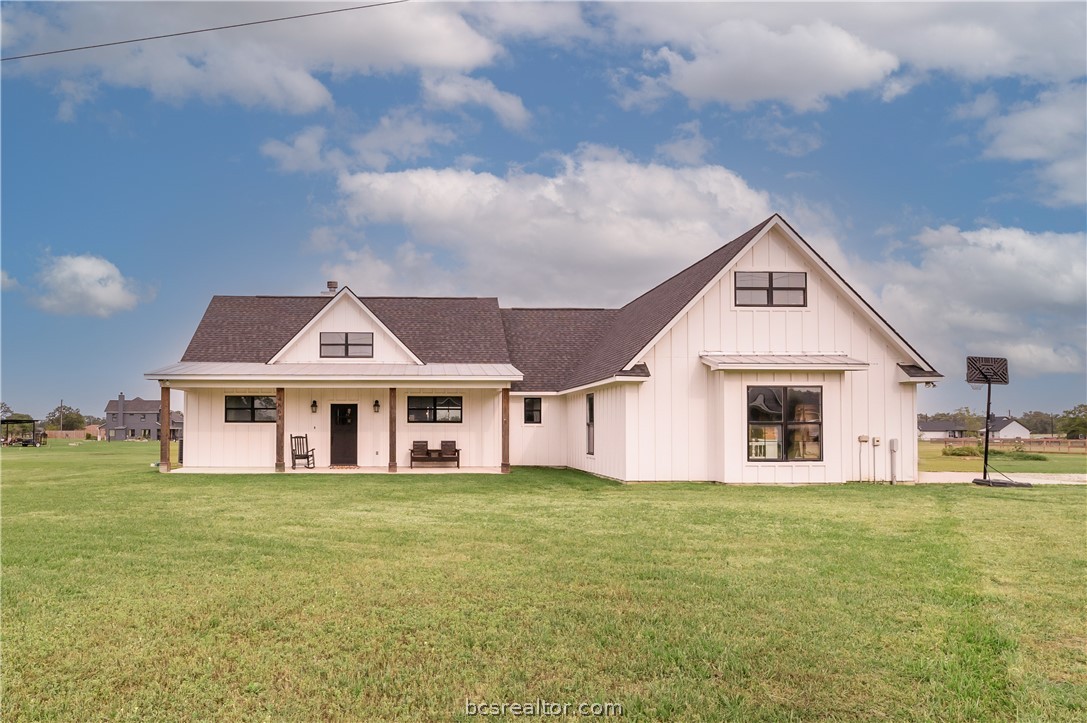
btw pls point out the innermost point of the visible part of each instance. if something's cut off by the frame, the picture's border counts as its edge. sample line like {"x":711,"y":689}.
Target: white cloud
{"x":688,"y":146}
{"x":600,"y":230}
{"x":1051,"y":132}
{"x":991,"y":292}
{"x":739,"y":62}
{"x":983,"y":105}
{"x":369,"y":274}
{"x":8,"y":283}
{"x":304,"y":154}
{"x":401,"y":136}
{"x":85,"y":285}
{"x":72,"y":94}
{"x":787,"y":140}
{"x":450,"y":91}
{"x":274,"y":65}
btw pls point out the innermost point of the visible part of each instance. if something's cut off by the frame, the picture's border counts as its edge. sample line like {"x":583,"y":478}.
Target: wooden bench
{"x":300,"y":450}
{"x":421,"y":452}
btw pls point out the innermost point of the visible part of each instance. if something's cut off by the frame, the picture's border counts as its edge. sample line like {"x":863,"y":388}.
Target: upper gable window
{"x":771,"y":288}
{"x":351,"y":344}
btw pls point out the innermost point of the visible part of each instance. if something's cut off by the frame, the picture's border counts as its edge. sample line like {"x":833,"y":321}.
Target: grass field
{"x":932,"y":459}
{"x":132,"y":595}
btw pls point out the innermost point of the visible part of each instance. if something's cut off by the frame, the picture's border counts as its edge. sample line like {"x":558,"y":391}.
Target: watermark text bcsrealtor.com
{"x":543,"y":708}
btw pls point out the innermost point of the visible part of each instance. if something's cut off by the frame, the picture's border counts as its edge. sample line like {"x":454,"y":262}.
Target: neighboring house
{"x":138,"y":419}
{"x":758,"y":363}
{"x":941,"y":429}
{"x":1007,"y":428}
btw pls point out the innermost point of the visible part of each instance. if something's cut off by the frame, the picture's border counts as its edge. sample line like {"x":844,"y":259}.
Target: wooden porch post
{"x":164,"y":427}
{"x":506,"y":430}
{"x":280,"y":398}
{"x":392,"y":429}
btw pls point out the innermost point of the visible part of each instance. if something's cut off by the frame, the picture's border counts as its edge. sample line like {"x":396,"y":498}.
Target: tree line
{"x":62,"y":417}
{"x":1071,"y":423}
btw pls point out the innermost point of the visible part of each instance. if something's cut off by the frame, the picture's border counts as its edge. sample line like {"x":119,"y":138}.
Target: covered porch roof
{"x":782,"y":362}
{"x":294,"y":373}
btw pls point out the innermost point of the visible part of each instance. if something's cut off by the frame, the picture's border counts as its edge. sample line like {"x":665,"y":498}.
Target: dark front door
{"x":344,"y":446}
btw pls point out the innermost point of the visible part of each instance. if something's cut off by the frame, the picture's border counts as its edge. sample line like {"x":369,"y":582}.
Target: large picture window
{"x":784,"y":423}
{"x":349,"y":344}
{"x":250,"y":409}
{"x":771,"y":288}
{"x":435,"y":409}
{"x":533,"y":410}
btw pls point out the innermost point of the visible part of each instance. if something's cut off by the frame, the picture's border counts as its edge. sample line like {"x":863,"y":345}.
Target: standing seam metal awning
{"x":325,"y":372}
{"x":783,"y":362}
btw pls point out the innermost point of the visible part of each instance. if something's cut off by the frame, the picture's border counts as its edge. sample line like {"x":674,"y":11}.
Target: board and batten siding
{"x":610,"y":448}
{"x":543,"y":444}
{"x":344,"y":315}
{"x":479,"y":436}
{"x":687,"y":422}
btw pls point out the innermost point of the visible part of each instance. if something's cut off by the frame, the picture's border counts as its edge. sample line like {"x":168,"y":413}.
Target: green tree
{"x":73,"y":418}
{"x":18,"y":430}
{"x":1073,"y":422}
{"x":1039,"y":422}
{"x":973,"y":422}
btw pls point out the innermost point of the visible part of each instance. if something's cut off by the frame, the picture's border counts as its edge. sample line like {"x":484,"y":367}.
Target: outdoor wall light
{"x":377,"y":406}
{"x":313,"y":406}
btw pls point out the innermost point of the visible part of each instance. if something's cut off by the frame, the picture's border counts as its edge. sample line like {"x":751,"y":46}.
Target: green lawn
{"x":933,"y":460}
{"x":132,"y":595}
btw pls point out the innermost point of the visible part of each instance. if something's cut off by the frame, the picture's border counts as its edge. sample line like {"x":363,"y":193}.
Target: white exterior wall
{"x":211,"y":442}
{"x":610,"y":449}
{"x":479,"y":436}
{"x":690,"y":423}
{"x":344,"y":314}
{"x":538,"y":445}
{"x":1015,"y":430}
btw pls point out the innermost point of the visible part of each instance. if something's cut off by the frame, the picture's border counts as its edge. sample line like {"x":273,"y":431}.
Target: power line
{"x":203,"y":30}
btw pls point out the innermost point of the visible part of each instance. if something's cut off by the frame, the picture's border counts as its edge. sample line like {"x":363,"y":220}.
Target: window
{"x":590,"y":424}
{"x":771,"y":288}
{"x":250,"y":409}
{"x":350,"y":344}
{"x":784,"y":423}
{"x":533,"y":410}
{"x":143,"y":417}
{"x":435,"y":409}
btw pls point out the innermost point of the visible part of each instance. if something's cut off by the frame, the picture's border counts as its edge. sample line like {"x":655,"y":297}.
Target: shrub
{"x":961,"y":452}
{"x":88,"y":435}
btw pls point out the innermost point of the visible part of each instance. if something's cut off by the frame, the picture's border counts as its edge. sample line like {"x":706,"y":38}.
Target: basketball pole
{"x":988,"y":417}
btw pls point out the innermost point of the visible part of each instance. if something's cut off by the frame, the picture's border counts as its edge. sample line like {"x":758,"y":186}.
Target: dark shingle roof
{"x":639,"y":321}
{"x":547,"y":344}
{"x":940,"y":425}
{"x":915,"y":372}
{"x":136,"y":405}
{"x":255,"y":328}
{"x":998,"y":423}
{"x":445,"y":330}
{"x":250,"y":328}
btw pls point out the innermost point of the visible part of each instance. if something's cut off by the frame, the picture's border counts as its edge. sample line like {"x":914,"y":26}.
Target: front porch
{"x":339,"y":470}
{"x":352,"y":425}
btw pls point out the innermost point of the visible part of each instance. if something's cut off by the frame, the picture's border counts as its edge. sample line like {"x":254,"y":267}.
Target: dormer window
{"x":771,"y":288}
{"x":347,"y":344}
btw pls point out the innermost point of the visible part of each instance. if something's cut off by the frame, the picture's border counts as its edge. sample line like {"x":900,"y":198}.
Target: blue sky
{"x":548,"y":154}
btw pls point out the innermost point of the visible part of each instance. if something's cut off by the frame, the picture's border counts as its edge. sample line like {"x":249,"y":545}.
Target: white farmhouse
{"x":757,"y":364}
{"x":1007,"y":428}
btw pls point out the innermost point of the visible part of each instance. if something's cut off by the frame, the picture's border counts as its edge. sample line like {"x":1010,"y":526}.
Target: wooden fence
{"x":1052,"y":445}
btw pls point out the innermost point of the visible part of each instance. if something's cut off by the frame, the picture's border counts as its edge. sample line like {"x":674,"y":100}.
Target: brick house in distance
{"x":138,"y":419}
